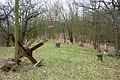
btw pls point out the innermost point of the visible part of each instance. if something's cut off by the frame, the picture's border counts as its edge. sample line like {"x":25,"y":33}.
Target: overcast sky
{"x":61,"y":1}
{"x":2,"y":1}
{"x":52,"y":1}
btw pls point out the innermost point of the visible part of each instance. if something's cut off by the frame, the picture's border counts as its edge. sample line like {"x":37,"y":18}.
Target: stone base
{"x":10,"y":66}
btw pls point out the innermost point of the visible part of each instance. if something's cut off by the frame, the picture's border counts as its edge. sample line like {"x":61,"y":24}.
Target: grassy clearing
{"x":65,"y":63}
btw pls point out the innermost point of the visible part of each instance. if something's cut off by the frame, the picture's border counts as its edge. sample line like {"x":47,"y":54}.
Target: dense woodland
{"x":93,"y":21}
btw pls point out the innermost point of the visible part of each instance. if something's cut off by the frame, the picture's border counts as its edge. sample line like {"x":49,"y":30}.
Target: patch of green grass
{"x":69,"y":62}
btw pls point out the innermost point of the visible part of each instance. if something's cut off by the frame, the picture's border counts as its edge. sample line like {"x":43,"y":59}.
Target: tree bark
{"x":117,"y":42}
{"x":64,"y":35}
{"x":16,"y":28}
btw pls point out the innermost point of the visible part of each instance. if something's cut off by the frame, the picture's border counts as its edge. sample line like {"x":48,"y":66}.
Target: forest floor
{"x":69,"y":62}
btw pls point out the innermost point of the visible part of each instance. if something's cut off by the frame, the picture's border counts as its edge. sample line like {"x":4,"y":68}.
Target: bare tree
{"x":5,"y":20}
{"x":28,"y":11}
{"x":109,"y":10}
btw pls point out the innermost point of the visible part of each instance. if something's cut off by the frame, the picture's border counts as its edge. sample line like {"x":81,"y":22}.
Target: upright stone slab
{"x":106,"y":48}
{"x":58,"y":44}
{"x":43,"y":39}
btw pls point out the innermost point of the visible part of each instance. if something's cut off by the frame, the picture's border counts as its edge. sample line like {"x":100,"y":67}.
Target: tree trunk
{"x":8,"y":40}
{"x":8,"y":43}
{"x":64,"y":35}
{"x":16,"y":28}
{"x":116,"y":42}
{"x":70,"y":35}
{"x":23,"y":31}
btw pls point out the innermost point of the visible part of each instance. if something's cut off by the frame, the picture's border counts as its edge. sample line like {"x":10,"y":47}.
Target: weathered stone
{"x":43,"y":39}
{"x":10,"y":66}
{"x":106,"y":48}
{"x":58,"y":44}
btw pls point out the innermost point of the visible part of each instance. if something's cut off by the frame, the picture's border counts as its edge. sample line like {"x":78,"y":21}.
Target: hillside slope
{"x":69,"y":62}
